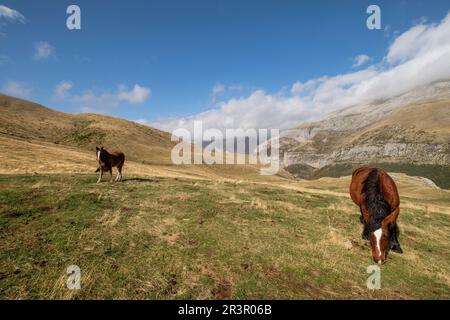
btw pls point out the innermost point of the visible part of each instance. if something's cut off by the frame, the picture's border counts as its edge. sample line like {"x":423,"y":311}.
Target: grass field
{"x":156,"y":237}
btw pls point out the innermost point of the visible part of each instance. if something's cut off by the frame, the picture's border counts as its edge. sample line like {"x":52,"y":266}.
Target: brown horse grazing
{"x":374,"y":191}
{"x":107,"y":161}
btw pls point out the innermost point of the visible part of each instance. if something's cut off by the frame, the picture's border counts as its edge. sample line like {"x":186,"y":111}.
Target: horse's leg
{"x":120,"y":173}
{"x":398,"y":248}
{"x":361,"y":218}
{"x":391,"y":222}
{"x":110,"y":174}
{"x":100,"y":175}
{"x":365,"y":234}
{"x":394,"y":245}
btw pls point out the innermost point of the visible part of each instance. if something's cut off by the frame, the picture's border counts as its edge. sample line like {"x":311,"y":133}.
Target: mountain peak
{"x":414,"y":125}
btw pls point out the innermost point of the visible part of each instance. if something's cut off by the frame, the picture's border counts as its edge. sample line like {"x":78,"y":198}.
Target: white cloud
{"x":43,"y":50}
{"x":137,"y":95}
{"x":259,"y":110}
{"x":218,"y":89}
{"x":225,"y":91}
{"x":306,"y":87}
{"x":16,"y":89}
{"x":360,"y":60}
{"x":62,"y":90}
{"x":11,"y":14}
{"x":92,"y":101}
{"x":221,"y":89}
{"x":417,"y":57}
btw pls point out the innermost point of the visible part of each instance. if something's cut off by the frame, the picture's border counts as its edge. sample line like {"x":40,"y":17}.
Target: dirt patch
{"x":222,"y":291}
{"x":172,"y":282}
{"x":289,"y":281}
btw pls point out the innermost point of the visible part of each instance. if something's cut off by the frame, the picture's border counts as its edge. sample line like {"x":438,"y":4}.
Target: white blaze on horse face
{"x":378,"y":234}
{"x":98,"y":155}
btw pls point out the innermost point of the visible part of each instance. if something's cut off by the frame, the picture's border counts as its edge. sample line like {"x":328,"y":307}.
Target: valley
{"x":192,"y":231}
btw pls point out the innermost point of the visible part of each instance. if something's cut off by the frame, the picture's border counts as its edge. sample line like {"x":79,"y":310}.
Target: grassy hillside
{"x":170,"y":238}
{"x":36,"y":139}
{"x":27,"y":121}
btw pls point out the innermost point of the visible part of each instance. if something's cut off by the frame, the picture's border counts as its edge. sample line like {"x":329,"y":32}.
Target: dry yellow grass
{"x":27,"y":156}
{"x":20,"y":119}
{"x":36,"y":157}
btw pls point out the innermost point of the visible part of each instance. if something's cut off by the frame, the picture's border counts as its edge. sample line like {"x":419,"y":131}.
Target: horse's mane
{"x":373,"y":197}
{"x":105,"y":151}
{"x":105,"y":155}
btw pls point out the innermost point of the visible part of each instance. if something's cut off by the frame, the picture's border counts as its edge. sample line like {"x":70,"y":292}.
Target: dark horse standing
{"x":108,"y":160}
{"x":374,"y":191}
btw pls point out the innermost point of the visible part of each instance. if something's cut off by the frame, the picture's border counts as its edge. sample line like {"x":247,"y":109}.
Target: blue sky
{"x":177,"y":52}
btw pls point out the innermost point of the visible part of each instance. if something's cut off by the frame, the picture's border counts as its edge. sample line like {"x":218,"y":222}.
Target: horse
{"x":107,"y":161}
{"x":375,"y":192}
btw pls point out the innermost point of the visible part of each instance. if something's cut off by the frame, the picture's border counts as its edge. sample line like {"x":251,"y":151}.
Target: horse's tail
{"x":377,"y":206}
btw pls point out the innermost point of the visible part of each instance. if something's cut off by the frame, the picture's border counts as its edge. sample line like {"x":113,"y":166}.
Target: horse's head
{"x":379,"y":241}
{"x":98,"y":152}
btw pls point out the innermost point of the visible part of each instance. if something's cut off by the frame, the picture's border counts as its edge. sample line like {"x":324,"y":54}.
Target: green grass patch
{"x":164,"y":238}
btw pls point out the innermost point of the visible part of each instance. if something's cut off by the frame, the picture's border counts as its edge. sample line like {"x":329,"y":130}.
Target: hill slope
{"x":36,"y":139}
{"x":20,"y":119}
{"x":411,"y":136}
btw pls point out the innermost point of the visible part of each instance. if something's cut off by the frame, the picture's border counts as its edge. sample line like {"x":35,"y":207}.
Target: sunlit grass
{"x":172,"y":238}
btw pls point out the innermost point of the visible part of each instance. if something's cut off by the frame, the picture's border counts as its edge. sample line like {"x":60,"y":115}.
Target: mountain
{"x":28,"y":121}
{"x":409,"y":133}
